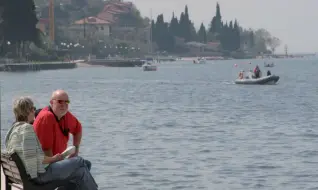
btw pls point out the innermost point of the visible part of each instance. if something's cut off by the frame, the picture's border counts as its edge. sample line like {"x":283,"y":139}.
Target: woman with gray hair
{"x":22,"y":139}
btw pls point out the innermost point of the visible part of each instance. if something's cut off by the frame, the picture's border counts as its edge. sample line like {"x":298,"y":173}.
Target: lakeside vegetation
{"x":20,"y":38}
{"x":230,"y":34}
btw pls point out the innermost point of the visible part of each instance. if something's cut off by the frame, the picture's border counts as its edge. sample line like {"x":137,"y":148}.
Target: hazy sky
{"x":295,"y":22}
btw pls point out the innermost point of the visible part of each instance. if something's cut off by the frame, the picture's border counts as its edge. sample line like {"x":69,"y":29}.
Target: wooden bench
{"x":16,"y":176}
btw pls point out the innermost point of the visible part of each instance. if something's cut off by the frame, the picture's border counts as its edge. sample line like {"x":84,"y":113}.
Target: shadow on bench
{"x":15,"y":173}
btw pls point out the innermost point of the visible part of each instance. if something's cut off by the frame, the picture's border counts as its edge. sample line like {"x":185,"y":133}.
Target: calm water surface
{"x":187,"y":126}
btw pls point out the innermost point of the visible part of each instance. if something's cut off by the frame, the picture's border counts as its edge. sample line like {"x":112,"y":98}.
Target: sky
{"x":294,"y":22}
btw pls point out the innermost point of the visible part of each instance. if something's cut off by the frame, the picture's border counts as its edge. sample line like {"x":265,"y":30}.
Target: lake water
{"x":187,"y":126}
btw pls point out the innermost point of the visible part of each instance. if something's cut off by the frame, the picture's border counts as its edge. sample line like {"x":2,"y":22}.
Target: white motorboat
{"x":271,"y":79}
{"x":149,"y":67}
{"x":200,"y":60}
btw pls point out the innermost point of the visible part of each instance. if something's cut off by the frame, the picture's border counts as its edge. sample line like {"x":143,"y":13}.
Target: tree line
{"x":231,"y":35}
{"x":18,"y":22}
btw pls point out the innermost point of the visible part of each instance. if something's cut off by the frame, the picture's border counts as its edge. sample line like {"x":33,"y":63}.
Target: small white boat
{"x":271,"y":79}
{"x":269,"y":65}
{"x":200,"y":60}
{"x":149,"y":67}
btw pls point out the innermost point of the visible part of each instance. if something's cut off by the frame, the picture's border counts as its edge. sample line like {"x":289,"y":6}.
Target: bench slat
{"x":5,"y":160}
{"x":5,"y":157}
{"x":11,"y":168}
{"x":15,"y":180}
{"x":18,"y":186}
{"x":10,"y":173}
{"x":9,"y":162}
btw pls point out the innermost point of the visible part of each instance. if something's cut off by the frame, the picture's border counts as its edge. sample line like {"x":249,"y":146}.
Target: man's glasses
{"x":63,"y":101}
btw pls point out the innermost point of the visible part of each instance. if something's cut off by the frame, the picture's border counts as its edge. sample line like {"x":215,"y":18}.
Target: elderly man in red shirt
{"x":54,"y":123}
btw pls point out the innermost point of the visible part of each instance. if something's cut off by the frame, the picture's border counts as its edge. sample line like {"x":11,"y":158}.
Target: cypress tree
{"x":237,"y":35}
{"x":202,"y":36}
{"x":19,"y":23}
{"x":174,"y":26}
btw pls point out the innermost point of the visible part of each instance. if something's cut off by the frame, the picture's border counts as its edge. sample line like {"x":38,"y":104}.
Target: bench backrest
{"x":15,"y":173}
{"x":13,"y":168}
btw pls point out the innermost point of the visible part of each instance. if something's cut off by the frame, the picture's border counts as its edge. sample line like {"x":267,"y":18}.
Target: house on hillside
{"x":43,"y":25}
{"x":213,"y":46}
{"x":93,"y":27}
{"x":107,"y":16}
{"x":208,"y":49}
{"x":195,"y":47}
{"x":125,"y":22}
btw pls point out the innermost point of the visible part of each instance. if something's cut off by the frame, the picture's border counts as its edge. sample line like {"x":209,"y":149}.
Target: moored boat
{"x":269,"y":65}
{"x":149,"y":67}
{"x":200,"y":60}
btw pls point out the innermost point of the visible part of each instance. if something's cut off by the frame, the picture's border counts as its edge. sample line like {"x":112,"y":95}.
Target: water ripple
{"x":187,"y":126}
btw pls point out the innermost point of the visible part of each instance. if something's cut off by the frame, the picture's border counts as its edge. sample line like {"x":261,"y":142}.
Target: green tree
{"x":186,"y":28}
{"x":174,"y":26}
{"x":236,"y":35}
{"x":202,"y":35}
{"x":153,"y":31}
{"x":216,"y":22}
{"x":251,"y":39}
{"x":273,"y":43}
{"x":162,"y":36}
{"x":19,"y":23}
{"x":182,"y":28}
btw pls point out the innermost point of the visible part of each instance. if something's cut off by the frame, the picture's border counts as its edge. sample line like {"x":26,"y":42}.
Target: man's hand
{"x":57,"y":157}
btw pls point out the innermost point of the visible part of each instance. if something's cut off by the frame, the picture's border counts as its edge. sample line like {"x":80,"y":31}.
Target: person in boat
{"x":250,"y":74}
{"x":54,"y":123}
{"x":40,"y":168}
{"x":241,"y":75}
{"x":257,"y":72}
{"x":269,"y":73}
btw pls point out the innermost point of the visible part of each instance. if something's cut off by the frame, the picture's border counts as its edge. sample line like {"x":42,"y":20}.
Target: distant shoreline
{"x":18,"y":67}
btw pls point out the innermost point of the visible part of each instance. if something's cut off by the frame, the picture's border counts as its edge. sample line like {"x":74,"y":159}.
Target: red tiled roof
{"x":121,"y":6}
{"x":114,"y":11}
{"x":117,"y":7}
{"x":111,"y":9}
{"x":92,"y":20}
{"x":106,"y":16}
